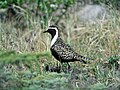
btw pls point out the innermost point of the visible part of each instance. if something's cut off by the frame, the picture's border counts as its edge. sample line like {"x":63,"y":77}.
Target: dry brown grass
{"x":97,"y":41}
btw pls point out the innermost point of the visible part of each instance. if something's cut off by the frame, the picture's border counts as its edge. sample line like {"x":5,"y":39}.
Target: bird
{"x":62,"y":51}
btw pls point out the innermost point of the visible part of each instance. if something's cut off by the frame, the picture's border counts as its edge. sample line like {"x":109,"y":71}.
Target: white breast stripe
{"x":55,"y":37}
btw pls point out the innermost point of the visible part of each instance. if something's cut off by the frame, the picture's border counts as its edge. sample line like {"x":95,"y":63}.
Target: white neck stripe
{"x":55,"y":37}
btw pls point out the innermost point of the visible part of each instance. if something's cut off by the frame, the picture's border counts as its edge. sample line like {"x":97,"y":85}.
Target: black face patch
{"x":52,"y":32}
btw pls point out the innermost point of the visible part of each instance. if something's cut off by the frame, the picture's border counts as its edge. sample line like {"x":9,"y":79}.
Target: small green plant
{"x":113,"y":60}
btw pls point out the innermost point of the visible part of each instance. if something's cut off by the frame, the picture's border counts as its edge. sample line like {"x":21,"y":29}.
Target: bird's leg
{"x":68,"y":67}
{"x":62,"y":65}
{"x":58,"y":68}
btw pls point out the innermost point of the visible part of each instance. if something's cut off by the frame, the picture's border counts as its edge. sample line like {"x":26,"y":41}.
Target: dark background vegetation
{"x":25,"y":60}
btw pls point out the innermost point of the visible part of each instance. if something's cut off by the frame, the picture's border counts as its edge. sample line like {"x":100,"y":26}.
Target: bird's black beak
{"x":45,"y":31}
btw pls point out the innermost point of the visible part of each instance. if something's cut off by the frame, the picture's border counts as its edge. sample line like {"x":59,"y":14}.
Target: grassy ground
{"x":25,"y":56}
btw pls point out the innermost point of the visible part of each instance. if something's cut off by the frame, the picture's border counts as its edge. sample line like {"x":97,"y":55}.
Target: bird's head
{"x":53,"y":30}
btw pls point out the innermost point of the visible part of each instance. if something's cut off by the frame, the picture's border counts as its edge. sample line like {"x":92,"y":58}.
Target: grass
{"x":25,"y":53}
